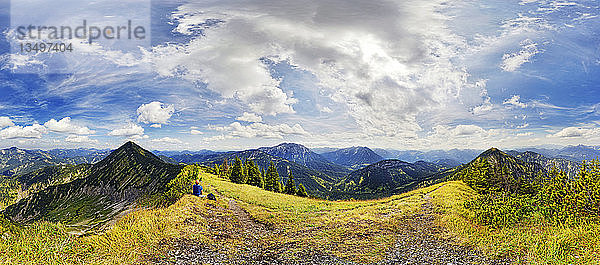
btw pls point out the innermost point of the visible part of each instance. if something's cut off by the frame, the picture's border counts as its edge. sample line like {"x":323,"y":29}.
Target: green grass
{"x":361,"y":231}
{"x":534,"y":241}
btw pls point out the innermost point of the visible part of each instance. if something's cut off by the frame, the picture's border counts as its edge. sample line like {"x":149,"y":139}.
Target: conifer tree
{"x":301,"y":191}
{"x":272,"y":179}
{"x":254,"y":175}
{"x":237,"y":172}
{"x":290,"y":186}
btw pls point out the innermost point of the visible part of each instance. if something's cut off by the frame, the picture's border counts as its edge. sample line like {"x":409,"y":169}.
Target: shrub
{"x":500,"y":210}
{"x":180,"y":185}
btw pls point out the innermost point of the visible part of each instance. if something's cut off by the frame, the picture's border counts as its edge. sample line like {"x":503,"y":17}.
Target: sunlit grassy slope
{"x":532,"y":242}
{"x":362,"y":231}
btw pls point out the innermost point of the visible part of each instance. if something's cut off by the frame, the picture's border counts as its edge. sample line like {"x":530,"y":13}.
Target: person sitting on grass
{"x":197,"y":189}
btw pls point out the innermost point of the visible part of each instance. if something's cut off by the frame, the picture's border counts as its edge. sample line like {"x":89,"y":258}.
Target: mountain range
{"x":15,"y":161}
{"x":353,"y":157}
{"x":42,"y":185}
{"x":99,"y":193}
{"x":383,"y":179}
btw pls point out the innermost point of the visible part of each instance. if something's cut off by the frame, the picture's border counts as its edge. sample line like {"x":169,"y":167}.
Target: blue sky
{"x":230,"y":75}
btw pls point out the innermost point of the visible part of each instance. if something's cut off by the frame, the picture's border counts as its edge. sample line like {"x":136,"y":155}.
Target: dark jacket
{"x":197,"y":190}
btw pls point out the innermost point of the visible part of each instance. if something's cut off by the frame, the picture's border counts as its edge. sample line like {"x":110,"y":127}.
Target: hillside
{"x":384,"y":178}
{"x":353,"y":157}
{"x":17,"y":187}
{"x":110,"y":187}
{"x":495,"y":170}
{"x":317,"y":183}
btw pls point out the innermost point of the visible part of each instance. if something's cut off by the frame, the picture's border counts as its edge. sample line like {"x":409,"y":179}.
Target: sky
{"x":232,"y":75}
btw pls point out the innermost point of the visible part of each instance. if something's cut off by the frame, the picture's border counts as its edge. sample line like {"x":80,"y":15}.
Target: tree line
{"x":248,"y":172}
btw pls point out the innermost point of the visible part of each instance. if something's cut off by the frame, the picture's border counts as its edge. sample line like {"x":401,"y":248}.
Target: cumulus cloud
{"x":80,"y":139}
{"x":66,"y":126}
{"x":155,"y":112}
{"x":325,"y":109}
{"x":167,"y":140}
{"x":524,"y":134}
{"x":261,"y":130}
{"x":572,"y":132}
{"x":130,"y":130}
{"x":512,"y":61}
{"x":156,"y":125}
{"x":249,"y":117}
{"x":5,"y":122}
{"x":386,"y":75}
{"x":515,"y":101}
{"x":17,"y":132}
{"x":195,"y":132}
{"x":459,"y":130}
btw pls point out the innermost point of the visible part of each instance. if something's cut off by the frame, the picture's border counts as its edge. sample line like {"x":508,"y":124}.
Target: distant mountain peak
{"x":131,"y":148}
{"x":493,"y":152}
{"x":354,"y":157}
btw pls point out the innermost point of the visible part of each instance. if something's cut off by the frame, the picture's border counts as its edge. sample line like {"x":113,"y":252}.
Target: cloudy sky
{"x":405,"y":74}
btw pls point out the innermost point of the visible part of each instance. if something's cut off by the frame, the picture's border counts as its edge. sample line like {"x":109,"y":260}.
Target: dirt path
{"x":420,"y":243}
{"x":417,"y":243}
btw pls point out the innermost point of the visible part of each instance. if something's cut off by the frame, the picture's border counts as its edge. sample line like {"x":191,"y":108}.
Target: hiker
{"x":197,"y":189}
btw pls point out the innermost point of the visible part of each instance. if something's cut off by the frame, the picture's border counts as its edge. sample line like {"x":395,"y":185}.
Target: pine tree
{"x":272,"y":179}
{"x":237,"y":172}
{"x":290,"y":186}
{"x":301,"y":191}
{"x":225,"y":168}
{"x":254,"y":175}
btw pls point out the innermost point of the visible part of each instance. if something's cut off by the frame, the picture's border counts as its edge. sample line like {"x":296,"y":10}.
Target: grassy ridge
{"x":362,"y":231}
{"x":534,"y":241}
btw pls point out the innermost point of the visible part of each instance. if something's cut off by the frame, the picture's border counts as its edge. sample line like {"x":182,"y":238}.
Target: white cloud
{"x":167,"y":140}
{"x":156,"y":125}
{"x":261,"y":130}
{"x":325,"y":109}
{"x":524,"y":134}
{"x":80,"y":139}
{"x":130,"y":130}
{"x":65,"y":126}
{"x":465,"y":130}
{"x":386,"y":75}
{"x":195,"y":132}
{"x":512,"y":61}
{"x":572,"y":132}
{"x":5,"y":122}
{"x":155,"y":112}
{"x":249,"y":117}
{"x":515,"y":101}
{"x":17,"y":132}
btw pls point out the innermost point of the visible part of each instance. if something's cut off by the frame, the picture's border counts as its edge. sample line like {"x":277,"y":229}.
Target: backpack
{"x":211,"y":197}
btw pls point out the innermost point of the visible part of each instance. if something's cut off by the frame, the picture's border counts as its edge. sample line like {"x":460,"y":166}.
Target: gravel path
{"x":417,"y":243}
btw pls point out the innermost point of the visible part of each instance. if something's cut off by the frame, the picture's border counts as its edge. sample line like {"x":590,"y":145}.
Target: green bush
{"x":558,"y":198}
{"x":566,"y":201}
{"x":180,"y":185}
{"x":500,"y":210}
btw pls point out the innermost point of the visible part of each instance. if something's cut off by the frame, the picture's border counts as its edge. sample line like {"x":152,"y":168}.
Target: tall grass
{"x":534,"y":241}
